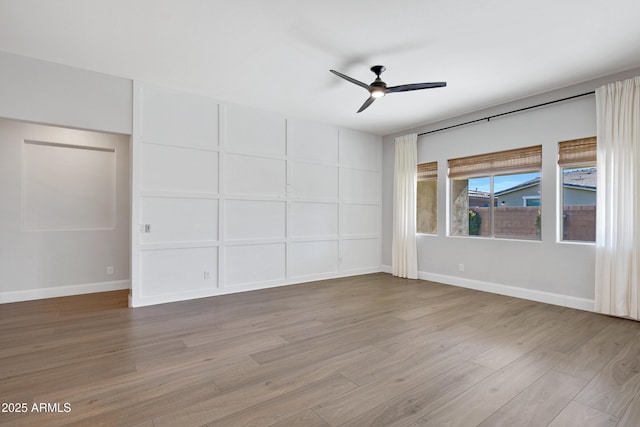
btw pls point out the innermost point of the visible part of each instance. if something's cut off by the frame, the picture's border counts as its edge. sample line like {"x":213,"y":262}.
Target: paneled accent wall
{"x":230,"y":198}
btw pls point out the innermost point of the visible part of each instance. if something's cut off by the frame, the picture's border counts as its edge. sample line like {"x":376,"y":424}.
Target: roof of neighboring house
{"x":531,"y":183}
{"x":581,"y":179}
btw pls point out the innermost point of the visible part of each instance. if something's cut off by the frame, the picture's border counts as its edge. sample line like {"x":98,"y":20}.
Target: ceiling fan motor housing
{"x":378,"y":69}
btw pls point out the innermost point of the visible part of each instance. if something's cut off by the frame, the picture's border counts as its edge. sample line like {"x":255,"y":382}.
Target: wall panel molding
{"x":281,"y":189}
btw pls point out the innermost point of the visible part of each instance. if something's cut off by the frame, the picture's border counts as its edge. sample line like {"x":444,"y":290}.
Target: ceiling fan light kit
{"x":377,"y":92}
{"x":378,"y":88}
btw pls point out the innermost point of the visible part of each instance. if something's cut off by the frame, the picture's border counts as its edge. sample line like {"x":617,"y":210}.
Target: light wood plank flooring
{"x":370,"y":350}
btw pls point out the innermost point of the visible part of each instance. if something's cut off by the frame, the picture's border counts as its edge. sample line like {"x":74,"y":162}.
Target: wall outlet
{"x":207,"y":275}
{"x":110,"y":270}
{"x":460,"y":267}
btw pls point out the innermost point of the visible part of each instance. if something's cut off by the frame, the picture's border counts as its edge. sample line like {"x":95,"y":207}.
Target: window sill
{"x":493,"y":238}
{"x":576,"y":242}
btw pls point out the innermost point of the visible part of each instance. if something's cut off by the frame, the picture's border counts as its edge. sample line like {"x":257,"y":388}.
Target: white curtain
{"x":618,"y":200}
{"x":404,"y":257}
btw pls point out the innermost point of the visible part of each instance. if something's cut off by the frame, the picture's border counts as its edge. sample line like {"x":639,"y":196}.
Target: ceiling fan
{"x":378,"y":88}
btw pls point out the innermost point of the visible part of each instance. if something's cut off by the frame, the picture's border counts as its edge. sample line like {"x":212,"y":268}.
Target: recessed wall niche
{"x":68,"y":186}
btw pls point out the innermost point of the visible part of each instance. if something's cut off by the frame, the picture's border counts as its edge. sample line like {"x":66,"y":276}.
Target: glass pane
{"x":470,"y":210}
{"x":579,"y":204}
{"x":427,"y":207}
{"x":518,"y":212}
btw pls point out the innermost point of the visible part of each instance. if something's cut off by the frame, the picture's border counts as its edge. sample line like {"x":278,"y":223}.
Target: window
{"x":497,"y":194}
{"x":427,"y":198}
{"x":577,"y":162}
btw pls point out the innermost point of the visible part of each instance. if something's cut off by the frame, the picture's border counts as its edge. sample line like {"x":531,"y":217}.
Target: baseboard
{"x":147,"y":300}
{"x":512,"y":291}
{"x":62,"y":291}
{"x":580,"y":303}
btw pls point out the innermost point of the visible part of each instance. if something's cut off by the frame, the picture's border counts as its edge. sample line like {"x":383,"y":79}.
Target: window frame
{"x":492,"y":165}
{"x":493,"y":206}
{"x":575,"y":160}
{"x":427,"y":171}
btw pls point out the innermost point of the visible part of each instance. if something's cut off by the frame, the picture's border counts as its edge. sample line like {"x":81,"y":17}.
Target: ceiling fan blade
{"x":415,"y":86}
{"x":366,"y":104}
{"x":352,"y":80}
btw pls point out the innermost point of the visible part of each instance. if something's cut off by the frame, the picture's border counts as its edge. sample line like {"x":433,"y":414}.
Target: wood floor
{"x":364,"y":351}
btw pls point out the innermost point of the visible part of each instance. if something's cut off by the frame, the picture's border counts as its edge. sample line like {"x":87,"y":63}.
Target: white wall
{"x":253,"y":198}
{"x":240,"y":199}
{"x":48,"y":93}
{"x":65,"y":211}
{"x":546,"y":270}
{"x":41,"y":264}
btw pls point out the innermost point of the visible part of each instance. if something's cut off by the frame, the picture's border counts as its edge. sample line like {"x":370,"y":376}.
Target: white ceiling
{"x":276,"y":54}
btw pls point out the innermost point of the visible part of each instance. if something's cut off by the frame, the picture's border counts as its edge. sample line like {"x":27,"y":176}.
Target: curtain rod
{"x":508,"y":112}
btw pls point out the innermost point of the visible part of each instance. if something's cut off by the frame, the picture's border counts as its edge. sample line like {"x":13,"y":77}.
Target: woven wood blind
{"x":577,"y":152}
{"x":518,"y":160}
{"x":427,"y":171}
